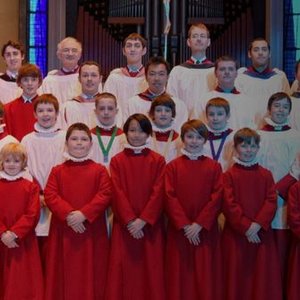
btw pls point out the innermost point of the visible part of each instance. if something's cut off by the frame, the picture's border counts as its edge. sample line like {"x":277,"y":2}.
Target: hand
{"x":191,"y":232}
{"x":254,"y":239}
{"x":42,"y":200}
{"x":253,"y":229}
{"x":75,"y":220}
{"x":138,"y":235}
{"x":8,"y":238}
{"x":75,"y":217}
{"x":135,"y":227}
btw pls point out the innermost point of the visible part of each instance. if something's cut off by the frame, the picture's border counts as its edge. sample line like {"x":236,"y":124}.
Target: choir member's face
{"x":13,"y":58}
{"x":106,"y":111}
{"x":157,"y":77}
{"x":162,"y":116}
{"x":193,"y":141}
{"x":90,"y":79}
{"x":226,"y":72}
{"x":69,"y":54}
{"x":216,"y":117}
{"x":247,"y":152}
{"x":46,"y":115}
{"x":79,"y":143}
{"x":136,"y":136}
{"x":259,"y":54}
{"x":12,"y":164}
{"x":198,"y":40}
{"x":134,"y":51}
{"x":280,"y":111}
{"x":29,"y":86}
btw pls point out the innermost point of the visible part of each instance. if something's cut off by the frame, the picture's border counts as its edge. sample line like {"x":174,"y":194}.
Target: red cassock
{"x":19,"y":117}
{"x":194,"y":194}
{"x":252,"y":271}
{"x":136,"y":268}
{"x":20,"y":268}
{"x":294,"y":259}
{"x":76,"y":263}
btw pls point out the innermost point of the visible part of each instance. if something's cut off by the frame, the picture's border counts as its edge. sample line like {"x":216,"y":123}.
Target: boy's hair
{"x":14,"y":149}
{"x":218,"y":102}
{"x":279,"y":96}
{"x":163,"y":100}
{"x":135,"y":36}
{"x":259,"y":39}
{"x":142,"y":120}
{"x":46,"y":98}
{"x":105,"y":95}
{"x":246,"y":135}
{"x":194,"y":125}
{"x":80,"y":127}
{"x":29,"y":70}
{"x":69,"y":38}
{"x":15,"y":45}
{"x":297,"y":66}
{"x":157,"y":60}
{"x":1,"y":110}
{"x":225,"y":58}
{"x":90,"y":63}
{"x":198,"y":25}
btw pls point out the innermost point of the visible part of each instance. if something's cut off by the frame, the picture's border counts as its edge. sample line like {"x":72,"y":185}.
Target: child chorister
{"x":251,"y":264}
{"x":108,"y":138}
{"x":20,"y":267}
{"x":193,"y":185}
{"x":165,"y":139}
{"x":77,"y":193}
{"x":137,"y":255}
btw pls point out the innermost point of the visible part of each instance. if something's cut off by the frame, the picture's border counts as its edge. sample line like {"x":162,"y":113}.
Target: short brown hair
{"x":29,"y":70}
{"x":155,"y":61}
{"x":279,"y":96}
{"x":225,"y":58}
{"x":16,"y":45}
{"x":246,"y":135}
{"x":46,"y":98}
{"x":135,"y":36}
{"x":163,"y":100}
{"x":14,"y":149}
{"x":80,"y":127}
{"x":105,"y":95}
{"x":90,"y":63}
{"x":194,"y":125}
{"x":259,"y":39}
{"x":198,"y":25}
{"x":218,"y":102}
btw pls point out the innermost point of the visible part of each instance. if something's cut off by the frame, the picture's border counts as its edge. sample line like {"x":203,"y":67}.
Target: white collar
{"x":191,"y":156}
{"x":109,"y":127}
{"x":67,"y":156}
{"x":156,"y":95}
{"x":38,"y":128}
{"x":217,"y":131}
{"x":12,"y":178}
{"x":162,"y":130}
{"x":245,"y":164}
{"x":194,"y":59}
{"x":13,"y":75}
{"x":28,"y":99}
{"x":88,"y":97}
{"x":2,"y":128}
{"x":275,"y":125}
{"x":138,"y":149}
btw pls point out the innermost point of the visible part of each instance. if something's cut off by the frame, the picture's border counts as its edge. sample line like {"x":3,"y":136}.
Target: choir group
{"x":159,"y":185}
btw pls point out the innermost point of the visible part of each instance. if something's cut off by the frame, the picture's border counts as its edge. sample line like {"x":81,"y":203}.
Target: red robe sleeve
{"x":7,"y":118}
{"x":102,"y":199}
{"x":58,"y":206}
{"x":232,"y":209}
{"x":153,"y":209}
{"x":293,"y":209}
{"x":173,"y":207}
{"x":30,"y":218}
{"x":209,"y":213}
{"x":120,"y":203}
{"x":3,"y":228}
{"x":267,"y":211}
{"x":283,"y":185}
